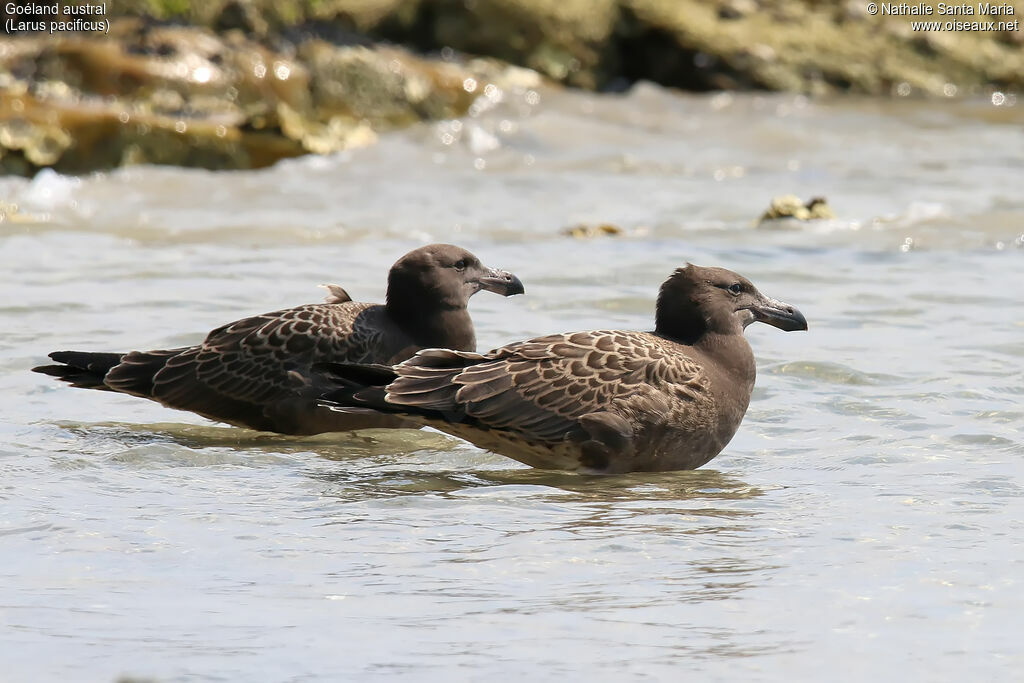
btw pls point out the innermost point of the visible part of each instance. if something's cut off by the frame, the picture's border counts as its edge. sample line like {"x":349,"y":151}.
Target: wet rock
{"x":815,"y":47}
{"x":151,"y":93}
{"x":736,"y":9}
{"x":567,"y":40}
{"x":795,"y":45}
{"x":254,"y":81}
{"x":583,"y":232}
{"x":10,"y":213}
{"x":240,"y":15}
{"x":818,"y":208}
{"x":791,"y":206}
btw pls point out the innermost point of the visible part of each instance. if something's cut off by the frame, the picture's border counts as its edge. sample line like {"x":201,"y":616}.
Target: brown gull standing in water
{"x":601,"y":401}
{"x":255,"y":372}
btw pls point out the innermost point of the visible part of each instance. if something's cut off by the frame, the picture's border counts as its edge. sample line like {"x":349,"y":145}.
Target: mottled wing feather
{"x":541,"y":388}
{"x":249,"y":360}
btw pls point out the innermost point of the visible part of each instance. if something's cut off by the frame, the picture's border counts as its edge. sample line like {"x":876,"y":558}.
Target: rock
{"x":811,"y":46}
{"x":150,"y":93}
{"x":815,"y":47}
{"x":254,"y":81}
{"x":582,"y":232}
{"x":567,"y":40}
{"x":10,"y":213}
{"x":790,"y":206}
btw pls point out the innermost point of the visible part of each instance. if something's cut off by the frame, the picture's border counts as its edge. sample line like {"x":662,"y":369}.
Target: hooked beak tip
{"x":502,"y":282}
{"x":781,"y":315}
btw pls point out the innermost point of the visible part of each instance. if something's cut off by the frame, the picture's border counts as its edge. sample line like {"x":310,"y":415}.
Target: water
{"x":866,"y":519}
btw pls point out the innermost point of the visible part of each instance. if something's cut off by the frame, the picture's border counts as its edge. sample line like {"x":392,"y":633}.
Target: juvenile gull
{"x":600,"y":401}
{"x":255,"y":372}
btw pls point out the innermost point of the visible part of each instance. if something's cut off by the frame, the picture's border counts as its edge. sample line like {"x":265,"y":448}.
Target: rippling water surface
{"x":868,"y":518}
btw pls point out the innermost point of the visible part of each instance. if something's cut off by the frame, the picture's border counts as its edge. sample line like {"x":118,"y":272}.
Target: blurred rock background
{"x":244,"y":83}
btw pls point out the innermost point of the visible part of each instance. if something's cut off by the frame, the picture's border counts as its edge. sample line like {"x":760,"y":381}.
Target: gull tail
{"x":81,"y":368}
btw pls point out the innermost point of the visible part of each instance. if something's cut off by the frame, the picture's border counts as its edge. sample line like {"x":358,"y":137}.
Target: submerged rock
{"x":10,"y":213}
{"x":587,"y":231}
{"x":582,"y":231}
{"x":791,"y":206}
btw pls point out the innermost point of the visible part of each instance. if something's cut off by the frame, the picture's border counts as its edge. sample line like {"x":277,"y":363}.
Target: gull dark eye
{"x":735,"y":288}
{"x":460,"y":264}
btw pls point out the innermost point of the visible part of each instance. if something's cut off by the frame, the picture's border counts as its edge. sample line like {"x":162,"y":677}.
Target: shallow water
{"x":868,"y":514}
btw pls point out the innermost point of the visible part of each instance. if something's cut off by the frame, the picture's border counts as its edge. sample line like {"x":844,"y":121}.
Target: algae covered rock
{"x":243,"y":83}
{"x":792,"y":45}
{"x":155,"y":93}
{"x":791,"y":206}
{"x":10,"y":213}
{"x":567,"y":40}
{"x":814,"y":47}
{"x":584,"y":231}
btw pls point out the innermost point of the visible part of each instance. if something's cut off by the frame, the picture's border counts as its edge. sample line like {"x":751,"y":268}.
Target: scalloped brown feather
{"x":257,"y":372}
{"x":597,"y":401}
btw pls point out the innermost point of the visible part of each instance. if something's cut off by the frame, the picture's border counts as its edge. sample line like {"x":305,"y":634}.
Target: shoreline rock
{"x":166,"y":94}
{"x":243,"y":83}
{"x":791,"y":45}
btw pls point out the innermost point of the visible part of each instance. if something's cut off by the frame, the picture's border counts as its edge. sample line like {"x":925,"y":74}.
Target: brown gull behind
{"x":597,"y":401}
{"x":255,"y":372}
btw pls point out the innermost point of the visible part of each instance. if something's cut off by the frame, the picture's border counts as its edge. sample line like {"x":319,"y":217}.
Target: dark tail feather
{"x":363,"y":374}
{"x":136,"y":372}
{"x":353,"y":385}
{"x":81,"y":368}
{"x":356,"y":388}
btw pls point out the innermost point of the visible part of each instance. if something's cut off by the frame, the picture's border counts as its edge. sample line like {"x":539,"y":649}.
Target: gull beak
{"x":779,"y":314}
{"x":501,"y":282}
